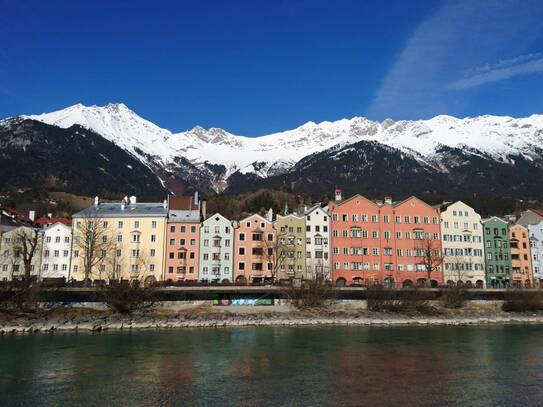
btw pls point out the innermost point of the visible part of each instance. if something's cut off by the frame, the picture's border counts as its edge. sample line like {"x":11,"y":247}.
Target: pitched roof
{"x":537,"y":211}
{"x":184,"y":216}
{"x":44,"y":220}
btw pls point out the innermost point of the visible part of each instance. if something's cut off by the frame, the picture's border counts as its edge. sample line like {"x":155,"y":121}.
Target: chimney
{"x":32,"y":215}
{"x":338,"y":196}
{"x":122,"y":205}
{"x":269,"y":215}
{"x":196,"y":202}
{"x":125,"y":199}
{"x":165,"y":204}
{"x":203,"y":209}
{"x":50,"y":215}
{"x":133,"y":200}
{"x":388,"y":200}
{"x":96,"y":201}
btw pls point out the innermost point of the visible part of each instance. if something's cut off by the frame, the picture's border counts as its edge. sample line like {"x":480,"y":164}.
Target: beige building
{"x":124,"y":240}
{"x":291,"y":247}
{"x":463,"y":245}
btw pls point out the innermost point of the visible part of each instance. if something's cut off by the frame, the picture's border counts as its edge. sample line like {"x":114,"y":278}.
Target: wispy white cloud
{"x":444,"y":47}
{"x":522,"y":65}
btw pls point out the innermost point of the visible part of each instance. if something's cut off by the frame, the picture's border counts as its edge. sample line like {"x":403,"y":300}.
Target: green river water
{"x":324,"y":366}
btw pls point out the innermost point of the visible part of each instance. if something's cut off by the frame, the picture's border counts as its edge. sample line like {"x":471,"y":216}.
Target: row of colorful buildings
{"x":346,"y":241}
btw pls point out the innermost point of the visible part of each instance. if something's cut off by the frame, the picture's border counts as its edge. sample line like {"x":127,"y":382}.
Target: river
{"x":325,"y":366}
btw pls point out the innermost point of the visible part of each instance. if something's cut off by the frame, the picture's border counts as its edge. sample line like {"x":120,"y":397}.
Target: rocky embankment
{"x":89,"y":320}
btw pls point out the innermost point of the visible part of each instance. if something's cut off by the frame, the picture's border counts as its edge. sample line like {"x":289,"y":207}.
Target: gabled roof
{"x":53,"y":225}
{"x":215,"y":215}
{"x":315,"y":207}
{"x":494,"y":218}
{"x":538,"y":212}
{"x":44,"y":220}
{"x":255,"y":215}
{"x":353,"y":197}
{"x":400,"y":203}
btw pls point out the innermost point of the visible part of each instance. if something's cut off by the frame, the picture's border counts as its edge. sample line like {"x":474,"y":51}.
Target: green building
{"x":497,"y":252}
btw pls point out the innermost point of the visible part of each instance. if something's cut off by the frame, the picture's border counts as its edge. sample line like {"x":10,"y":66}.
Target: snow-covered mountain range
{"x":494,"y":137}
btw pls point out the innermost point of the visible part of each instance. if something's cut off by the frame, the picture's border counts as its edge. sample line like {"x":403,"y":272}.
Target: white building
{"x":317,"y":235}
{"x":56,"y":252}
{"x":533,"y":220}
{"x":463,"y":245}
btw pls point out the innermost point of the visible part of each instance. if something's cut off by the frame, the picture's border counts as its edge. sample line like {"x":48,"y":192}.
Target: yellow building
{"x":113,"y":241}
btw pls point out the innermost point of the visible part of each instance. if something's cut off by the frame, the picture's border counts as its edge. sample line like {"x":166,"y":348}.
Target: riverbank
{"x":206,"y":316}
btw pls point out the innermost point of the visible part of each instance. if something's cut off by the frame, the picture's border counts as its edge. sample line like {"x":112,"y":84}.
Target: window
{"x":153,"y":225}
{"x":136,"y":238}
{"x":153,"y":238}
{"x":242,"y":236}
{"x":104,"y":225}
{"x":241,"y":265}
{"x":172,"y":229}
{"x":136,"y":225}
{"x":57,"y":239}
{"x":120,"y":224}
{"x":119,"y":238}
{"x":241,"y":251}
{"x":67,"y":239}
{"x":65,"y":253}
{"x":152,"y":268}
{"x":193,"y":229}
{"x":152,"y":253}
{"x":172,"y":242}
{"x":135,"y":253}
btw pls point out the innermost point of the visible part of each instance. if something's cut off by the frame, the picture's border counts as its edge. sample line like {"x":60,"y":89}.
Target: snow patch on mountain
{"x":273,"y":154}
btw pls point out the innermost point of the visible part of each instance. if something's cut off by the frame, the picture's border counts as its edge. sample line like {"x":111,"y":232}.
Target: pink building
{"x":254,"y":250}
{"x":384,"y":242}
{"x":182,"y":239}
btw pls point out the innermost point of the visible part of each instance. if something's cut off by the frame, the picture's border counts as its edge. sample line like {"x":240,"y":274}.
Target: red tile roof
{"x":44,"y":220}
{"x":537,"y":211}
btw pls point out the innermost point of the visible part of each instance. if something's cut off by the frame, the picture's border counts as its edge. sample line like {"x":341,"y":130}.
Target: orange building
{"x":521,"y":262}
{"x":182,"y":239}
{"x":385,"y":242}
{"x":254,"y":250}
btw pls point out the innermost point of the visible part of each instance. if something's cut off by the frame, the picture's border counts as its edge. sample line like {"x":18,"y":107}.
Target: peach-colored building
{"x":254,"y":250}
{"x":182,"y":239}
{"x":521,"y":262}
{"x":384,"y":242}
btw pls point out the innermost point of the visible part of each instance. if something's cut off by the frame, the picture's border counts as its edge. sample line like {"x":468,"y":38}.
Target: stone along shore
{"x":91,"y":320}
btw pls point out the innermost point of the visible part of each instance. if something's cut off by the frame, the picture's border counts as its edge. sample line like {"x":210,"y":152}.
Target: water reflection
{"x":277,"y":366}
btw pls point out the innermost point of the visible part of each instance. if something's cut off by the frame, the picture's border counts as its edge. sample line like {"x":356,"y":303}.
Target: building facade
{"x":497,"y":253}
{"x":56,"y":251}
{"x":290,"y":247}
{"x":127,"y":241}
{"x":216,"y":249}
{"x":463,"y":247}
{"x":254,"y":250}
{"x":17,"y":245}
{"x":182,"y":245}
{"x":533,"y":220}
{"x":385,"y":242}
{"x":318,"y":255}
{"x":521,"y":258}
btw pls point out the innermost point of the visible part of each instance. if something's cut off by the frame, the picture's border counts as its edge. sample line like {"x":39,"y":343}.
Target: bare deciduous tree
{"x":430,"y":254}
{"x":25,"y":247}
{"x":93,"y":240}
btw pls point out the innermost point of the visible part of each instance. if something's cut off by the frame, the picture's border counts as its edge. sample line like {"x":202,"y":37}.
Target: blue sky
{"x":254,"y":67}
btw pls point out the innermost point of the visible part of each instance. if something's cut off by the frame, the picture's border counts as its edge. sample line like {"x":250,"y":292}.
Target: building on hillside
{"x":254,"y":250}
{"x":56,"y":251}
{"x":183,"y":238}
{"x":463,"y":247}
{"x":290,"y":247}
{"x":216,"y":249}
{"x":317,"y":226}
{"x":385,"y":242}
{"x":531,"y":217}
{"x":16,"y":246}
{"x":127,"y":240}
{"x":11,"y":219}
{"x":521,"y":262}
{"x":533,"y":220}
{"x":497,"y":253}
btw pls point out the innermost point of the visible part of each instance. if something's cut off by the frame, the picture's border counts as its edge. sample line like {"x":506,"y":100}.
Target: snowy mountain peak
{"x":493,"y":136}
